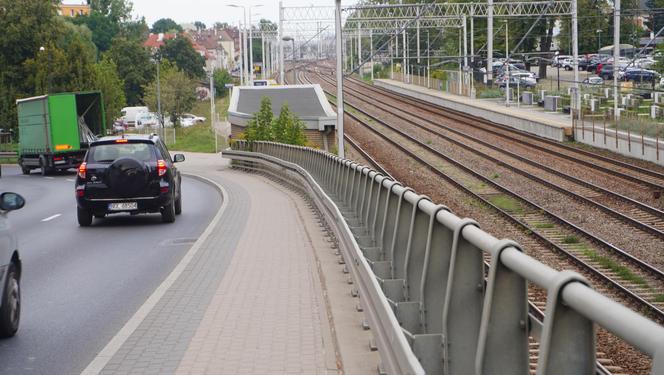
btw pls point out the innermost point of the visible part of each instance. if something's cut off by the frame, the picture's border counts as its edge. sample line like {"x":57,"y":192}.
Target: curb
{"x":104,"y":356}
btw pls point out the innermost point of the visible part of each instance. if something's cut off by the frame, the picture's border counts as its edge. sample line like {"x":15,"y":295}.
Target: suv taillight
{"x":161,"y":167}
{"x":82,"y":169}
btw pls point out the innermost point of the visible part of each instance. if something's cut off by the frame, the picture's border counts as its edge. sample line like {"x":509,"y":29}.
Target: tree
{"x":260,"y":127}
{"x":588,"y":27}
{"x":137,"y":30}
{"x":292,"y":127}
{"x":116,"y":10}
{"x":134,"y":66}
{"x":221,"y":78}
{"x":182,"y":53}
{"x":103,"y":29}
{"x":166,"y":25}
{"x":221,"y":25}
{"x":178,"y":91}
{"x":656,"y":19}
{"x":200,"y":26}
{"x":107,"y":81}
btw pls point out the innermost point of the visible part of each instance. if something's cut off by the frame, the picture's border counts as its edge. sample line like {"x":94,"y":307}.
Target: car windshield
{"x":107,"y":153}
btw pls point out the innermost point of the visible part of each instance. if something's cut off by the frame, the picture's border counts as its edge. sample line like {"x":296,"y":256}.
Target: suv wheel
{"x":178,"y":205}
{"x":84,"y":217}
{"x":10,"y":312}
{"x":168,"y":212}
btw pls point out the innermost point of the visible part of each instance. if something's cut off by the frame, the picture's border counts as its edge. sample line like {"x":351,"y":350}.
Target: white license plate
{"x":123,"y":206}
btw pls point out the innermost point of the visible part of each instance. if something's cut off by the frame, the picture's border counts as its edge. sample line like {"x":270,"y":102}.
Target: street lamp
{"x":558,"y":68}
{"x":291,"y":39}
{"x":250,"y":58}
{"x":599,"y":39}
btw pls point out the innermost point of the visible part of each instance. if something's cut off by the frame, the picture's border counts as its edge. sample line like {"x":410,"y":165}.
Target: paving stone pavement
{"x":249,"y":302}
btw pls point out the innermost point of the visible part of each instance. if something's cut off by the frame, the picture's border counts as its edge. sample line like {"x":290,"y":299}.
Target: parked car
{"x":641,"y":75}
{"x":119,"y":125}
{"x":10,"y":268}
{"x":557,"y":60}
{"x":129,"y":173}
{"x":186,"y":122}
{"x":149,"y":119}
{"x":594,"y":80}
{"x":517,"y":80}
{"x":129,"y":114}
{"x":195,"y":118}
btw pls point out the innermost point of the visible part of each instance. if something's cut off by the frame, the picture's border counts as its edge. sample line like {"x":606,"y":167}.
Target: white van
{"x":129,"y":114}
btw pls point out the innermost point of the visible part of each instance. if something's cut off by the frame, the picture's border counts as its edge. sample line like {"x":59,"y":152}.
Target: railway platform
{"x":260,"y":292}
{"x":526,"y":118}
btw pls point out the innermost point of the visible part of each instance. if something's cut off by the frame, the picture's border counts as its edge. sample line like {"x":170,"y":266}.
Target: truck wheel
{"x":168,"y":213}
{"x":10,"y":312}
{"x":25,"y":170}
{"x":42,"y":166}
{"x":84,"y":217}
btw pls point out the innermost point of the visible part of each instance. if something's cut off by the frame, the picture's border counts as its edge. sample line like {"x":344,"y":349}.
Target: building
{"x":73,"y":10}
{"x":308,"y":102}
{"x":218,"y":47}
{"x":155,"y":41}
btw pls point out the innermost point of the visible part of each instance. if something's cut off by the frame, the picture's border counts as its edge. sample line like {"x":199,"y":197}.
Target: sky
{"x":211,"y":11}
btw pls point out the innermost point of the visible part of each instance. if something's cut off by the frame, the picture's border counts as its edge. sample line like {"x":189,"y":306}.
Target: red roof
{"x":157,"y":40}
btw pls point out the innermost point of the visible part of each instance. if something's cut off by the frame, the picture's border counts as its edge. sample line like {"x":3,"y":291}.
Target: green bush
{"x":287,"y":128}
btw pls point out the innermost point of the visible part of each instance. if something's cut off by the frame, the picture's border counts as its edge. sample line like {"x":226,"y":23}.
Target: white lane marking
{"x":100,"y":361}
{"x":50,"y":178}
{"x":51,"y":217}
{"x":71,"y":180}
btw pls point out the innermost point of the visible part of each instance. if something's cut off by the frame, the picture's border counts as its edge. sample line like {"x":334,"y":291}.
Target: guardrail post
{"x":503,"y":341}
{"x":462,"y":308}
{"x":568,"y":339}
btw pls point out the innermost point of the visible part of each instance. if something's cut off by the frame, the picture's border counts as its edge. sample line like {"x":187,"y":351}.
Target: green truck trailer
{"x":56,"y":129}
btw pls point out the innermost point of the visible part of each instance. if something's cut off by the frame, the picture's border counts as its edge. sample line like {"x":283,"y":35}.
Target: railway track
{"x":548,"y":227}
{"x":629,"y":172}
{"x":537,"y":301}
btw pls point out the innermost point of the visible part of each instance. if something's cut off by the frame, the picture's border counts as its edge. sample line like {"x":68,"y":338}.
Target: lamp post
{"x":507,"y":61}
{"x":247,"y":57}
{"x":340,"y":75}
{"x":293,"y":57}
{"x":558,"y":69}
{"x":599,"y":39}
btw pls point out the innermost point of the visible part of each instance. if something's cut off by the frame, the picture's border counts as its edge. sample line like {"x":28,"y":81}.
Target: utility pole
{"x":371,"y":53}
{"x":281,"y":43}
{"x":575,"y":59}
{"x":507,"y":56}
{"x":251,"y":51}
{"x":403,"y":49}
{"x":239,"y":29}
{"x":359,"y":49}
{"x":340,"y":77}
{"x":417,"y":25}
{"x":428,"y":60}
{"x":489,"y":44}
{"x":616,"y":57}
{"x":263,"y":54}
{"x":213,"y":110}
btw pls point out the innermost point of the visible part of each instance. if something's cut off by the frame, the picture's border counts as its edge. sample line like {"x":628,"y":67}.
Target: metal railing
{"x":431,"y":302}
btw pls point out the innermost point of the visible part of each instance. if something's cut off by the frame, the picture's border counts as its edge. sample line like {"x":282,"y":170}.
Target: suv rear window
{"x":107,"y":153}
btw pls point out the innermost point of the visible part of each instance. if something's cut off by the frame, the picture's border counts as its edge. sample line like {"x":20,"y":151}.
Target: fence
{"x":416,"y":263}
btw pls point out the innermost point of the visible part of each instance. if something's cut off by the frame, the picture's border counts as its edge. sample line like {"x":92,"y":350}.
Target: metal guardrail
{"x":420,"y":274}
{"x":8,"y":154}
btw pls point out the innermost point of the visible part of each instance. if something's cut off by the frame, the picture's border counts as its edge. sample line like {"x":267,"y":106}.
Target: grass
{"x":571,"y":239}
{"x":659,"y":298}
{"x":200,"y":137}
{"x":495,"y":175}
{"x":622,"y":271}
{"x":544,"y":225}
{"x":506,"y":203}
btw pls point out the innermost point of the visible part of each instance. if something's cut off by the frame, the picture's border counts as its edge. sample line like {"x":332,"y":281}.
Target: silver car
{"x":10,"y":268}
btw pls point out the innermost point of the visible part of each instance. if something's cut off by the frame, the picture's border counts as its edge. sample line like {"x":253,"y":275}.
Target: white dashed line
{"x":71,"y":180}
{"x":50,"y":178}
{"x":51,"y":217}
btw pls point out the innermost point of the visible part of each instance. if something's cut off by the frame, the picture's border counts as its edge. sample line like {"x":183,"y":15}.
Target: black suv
{"x":129,"y":173}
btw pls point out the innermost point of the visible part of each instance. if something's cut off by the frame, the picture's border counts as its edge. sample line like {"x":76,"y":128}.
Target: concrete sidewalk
{"x":262,"y":294}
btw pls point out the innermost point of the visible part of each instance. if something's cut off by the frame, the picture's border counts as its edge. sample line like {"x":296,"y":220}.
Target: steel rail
{"x":659,"y":274}
{"x":639,"y":205}
{"x":653,"y":310}
{"x":456,"y":115}
{"x":490,"y":127}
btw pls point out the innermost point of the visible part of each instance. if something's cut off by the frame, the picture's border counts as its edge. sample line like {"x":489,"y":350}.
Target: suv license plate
{"x":123,"y":206}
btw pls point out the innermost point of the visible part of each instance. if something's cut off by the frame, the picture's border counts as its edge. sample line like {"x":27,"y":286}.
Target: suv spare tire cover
{"x":127,"y":177}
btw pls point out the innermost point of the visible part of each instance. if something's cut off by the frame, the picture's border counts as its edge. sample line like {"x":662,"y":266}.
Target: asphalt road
{"x":80,"y":285}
